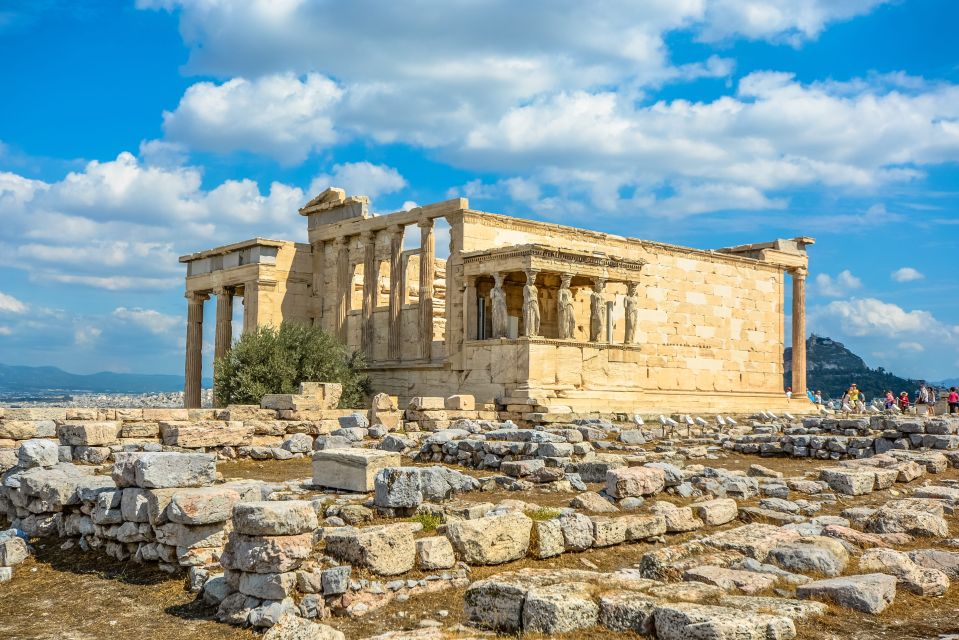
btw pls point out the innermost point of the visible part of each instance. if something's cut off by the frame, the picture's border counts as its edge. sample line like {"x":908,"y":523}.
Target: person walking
{"x":953,"y":400}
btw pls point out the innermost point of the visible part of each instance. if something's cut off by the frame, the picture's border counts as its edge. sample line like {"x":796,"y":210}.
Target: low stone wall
{"x":840,"y":438}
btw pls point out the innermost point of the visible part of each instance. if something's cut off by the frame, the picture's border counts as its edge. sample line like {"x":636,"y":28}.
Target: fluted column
{"x":427,"y":269}
{"x":319,"y":280}
{"x":370,"y":280}
{"x":193,"y":375}
{"x":343,"y":287}
{"x":396,"y":292}
{"x":224,"y":327}
{"x":799,"y":331}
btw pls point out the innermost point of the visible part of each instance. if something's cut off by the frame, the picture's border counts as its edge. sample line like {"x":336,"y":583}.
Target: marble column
{"x":224,"y":322}
{"x":193,"y":378}
{"x":427,"y":268}
{"x":319,"y":280}
{"x":531,"y":315}
{"x":597,"y":311}
{"x":396,"y":293}
{"x":344,"y":287}
{"x":799,"y":332}
{"x":471,"y":327}
{"x":224,"y":327}
{"x":370,"y":285}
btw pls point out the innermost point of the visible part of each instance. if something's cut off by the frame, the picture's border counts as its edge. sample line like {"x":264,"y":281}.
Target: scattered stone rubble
{"x":383,"y":518}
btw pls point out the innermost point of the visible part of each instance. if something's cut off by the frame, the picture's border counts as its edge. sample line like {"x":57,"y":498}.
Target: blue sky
{"x":132,"y":133}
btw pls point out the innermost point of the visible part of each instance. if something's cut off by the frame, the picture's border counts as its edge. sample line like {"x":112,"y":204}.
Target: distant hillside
{"x":34,"y":379}
{"x":831,"y":368}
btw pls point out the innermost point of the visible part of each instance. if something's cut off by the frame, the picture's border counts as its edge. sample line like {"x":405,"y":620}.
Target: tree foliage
{"x":277,"y":359}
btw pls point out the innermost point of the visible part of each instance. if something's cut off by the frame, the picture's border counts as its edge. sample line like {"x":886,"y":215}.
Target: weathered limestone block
{"x":208,"y":433}
{"x":634,"y":481}
{"x":351,"y":469}
{"x":274,"y":518}
{"x":204,"y":505}
{"x":811,"y":554}
{"x":427,"y":403}
{"x":134,"y":505}
{"x":267,"y":554}
{"x":18,"y":429}
{"x":560,"y":608}
{"x":386,"y":550}
{"x":715,"y":512}
{"x":106,"y":508}
{"x":191,"y":537}
{"x":140,"y":430}
{"x":13,"y":551}
{"x":546,"y":539}
{"x":640,"y":527}
{"x":608,"y":532}
{"x":460,"y":403}
{"x":434,"y":552}
{"x":492,"y":539}
{"x":292,"y":627}
{"x":920,"y":580}
{"x":915,"y":516}
{"x":869,"y":593}
{"x":678,"y":519}
{"x":945,"y":561}
{"x":577,"y":531}
{"x":730,"y":579}
{"x":850,"y":482}
{"x":686,"y":621}
{"x":38,"y":453}
{"x":91,"y":434}
{"x":269,"y":586}
{"x":623,"y":610}
{"x":171,"y":469}
{"x":752,"y":540}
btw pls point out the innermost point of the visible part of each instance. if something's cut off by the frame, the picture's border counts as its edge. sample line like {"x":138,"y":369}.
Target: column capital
{"x":425,"y":223}
{"x":531,"y":275}
{"x":395,"y":229}
{"x":799,"y":272}
{"x":339,"y":242}
{"x":368,"y":235}
{"x":223,"y":291}
{"x":599,"y":284}
{"x":197,"y":296}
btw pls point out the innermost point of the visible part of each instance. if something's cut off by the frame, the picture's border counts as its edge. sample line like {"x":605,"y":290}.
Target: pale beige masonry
{"x":645,"y":325}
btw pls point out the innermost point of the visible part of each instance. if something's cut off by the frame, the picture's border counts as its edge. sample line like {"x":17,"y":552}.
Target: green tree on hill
{"x":277,"y":359}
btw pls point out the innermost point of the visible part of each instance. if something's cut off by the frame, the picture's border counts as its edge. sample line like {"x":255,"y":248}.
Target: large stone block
{"x":38,"y":453}
{"x":869,"y":593}
{"x":203,"y":505}
{"x":386,"y":550}
{"x":716,"y":512}
{"x":630,"y":482}
{"x":560,"y":608}
{"x":434,"y":552}
{"x":267,"y":554}
{"x":208,"y":433}
{"x":351,"y":469}
{"x":170,"y":469}
{"x":91,"y":434}
{"x":18,"y":429}
{"x":274,"y":518}
{"x":687,"y":621}
{"x":492,"y":539}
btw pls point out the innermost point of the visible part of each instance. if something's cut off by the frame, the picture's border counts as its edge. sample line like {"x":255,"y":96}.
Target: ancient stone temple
{"x":519,"y":311}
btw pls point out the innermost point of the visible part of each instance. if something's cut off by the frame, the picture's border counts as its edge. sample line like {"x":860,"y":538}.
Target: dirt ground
{"x":75,"y":596}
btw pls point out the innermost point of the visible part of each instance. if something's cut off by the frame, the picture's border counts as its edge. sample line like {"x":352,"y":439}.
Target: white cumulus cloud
{"x":9,"y":304}
{"x":843,"y":284}
{"x":362,"y":178}
{"x":873,"y":317}
{"x":150,"y":319}
{"x":907,"y":274}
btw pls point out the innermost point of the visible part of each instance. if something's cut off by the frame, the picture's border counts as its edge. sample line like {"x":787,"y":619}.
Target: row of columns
{"x":600,"y":327}
{"x":343,"y":284}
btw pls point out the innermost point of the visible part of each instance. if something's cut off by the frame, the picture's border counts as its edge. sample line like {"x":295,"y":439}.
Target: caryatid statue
{"x":597,"y":311}
{"x":531,"y":305}
{"x":632,"y":312}
{"x":564,"y":303}
{"x":498,"y":302}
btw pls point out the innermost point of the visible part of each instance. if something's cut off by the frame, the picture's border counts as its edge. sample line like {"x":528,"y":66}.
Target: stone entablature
{"x":623,"y":321}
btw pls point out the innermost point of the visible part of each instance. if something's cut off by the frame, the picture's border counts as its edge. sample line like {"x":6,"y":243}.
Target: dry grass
{"x":71,"y":595}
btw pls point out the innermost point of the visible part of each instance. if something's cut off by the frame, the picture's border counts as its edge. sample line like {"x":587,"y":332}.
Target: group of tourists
{"x":854,"y":399}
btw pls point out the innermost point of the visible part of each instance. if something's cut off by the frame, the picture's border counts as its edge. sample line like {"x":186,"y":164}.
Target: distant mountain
{"x":831,"y":368}
{"x":948,"y":382}
{"x":35,"y":379}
